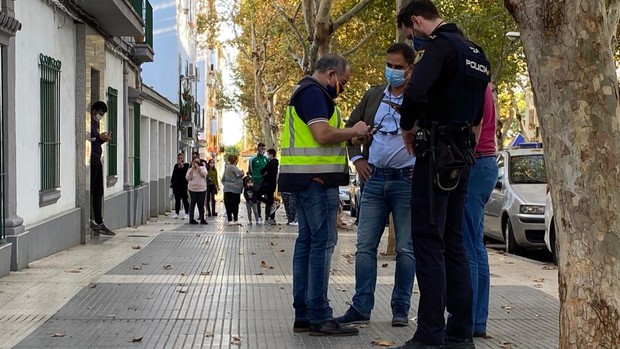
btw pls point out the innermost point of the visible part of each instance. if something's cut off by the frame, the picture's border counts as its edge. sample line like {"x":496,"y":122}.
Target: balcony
{"x":143,"y":47}
{"x":116,"y":17}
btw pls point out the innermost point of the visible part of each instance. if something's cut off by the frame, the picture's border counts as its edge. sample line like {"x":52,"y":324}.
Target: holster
{"x":453,"y":152}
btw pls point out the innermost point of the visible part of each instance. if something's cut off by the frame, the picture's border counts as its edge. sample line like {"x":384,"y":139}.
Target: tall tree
{"x":569,"y":47}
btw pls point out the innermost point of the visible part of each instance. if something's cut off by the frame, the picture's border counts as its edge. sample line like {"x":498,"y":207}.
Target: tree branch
{"x":309,"y":17}
{"x":613,"y":17}
{"x":360,"y":44}
{"x":291,"y":24}
{"x":350,"y":14}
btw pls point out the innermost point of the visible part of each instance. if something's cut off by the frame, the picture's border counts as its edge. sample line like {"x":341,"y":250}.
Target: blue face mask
{"x":394,"y":77}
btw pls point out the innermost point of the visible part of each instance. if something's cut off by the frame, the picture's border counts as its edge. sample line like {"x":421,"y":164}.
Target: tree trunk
{"x":568,"y":46}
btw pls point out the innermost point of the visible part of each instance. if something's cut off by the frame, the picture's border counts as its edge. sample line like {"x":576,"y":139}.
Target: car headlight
{"x":532,"y":209}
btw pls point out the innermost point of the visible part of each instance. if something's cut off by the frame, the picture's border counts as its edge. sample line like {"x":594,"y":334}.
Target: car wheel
{"x":509,"y":238}
{"x":353,"y":210}
{"x":554,"y":244}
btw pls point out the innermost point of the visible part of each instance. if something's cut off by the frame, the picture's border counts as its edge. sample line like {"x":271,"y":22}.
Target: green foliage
{"x":231,"y":150}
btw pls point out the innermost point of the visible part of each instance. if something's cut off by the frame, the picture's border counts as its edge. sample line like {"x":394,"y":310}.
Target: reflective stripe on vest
{"x":301,"y":154}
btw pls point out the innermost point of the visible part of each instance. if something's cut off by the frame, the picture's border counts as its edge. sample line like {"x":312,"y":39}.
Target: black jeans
{"x":266,"y":195}
{"x":198,"y":199}
{"x":231,"y":202}
{"x":180,"y":195}
{"x":290,"y":206}
{"x":210,"y":203}
{"x":96,"y":188}
{"x":441,"y":264}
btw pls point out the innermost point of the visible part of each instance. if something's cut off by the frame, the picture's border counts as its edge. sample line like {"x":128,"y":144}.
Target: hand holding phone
{"x":391,"y":104}
{"x":375,"y":129}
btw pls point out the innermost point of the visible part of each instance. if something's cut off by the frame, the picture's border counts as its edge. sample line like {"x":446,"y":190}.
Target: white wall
{"x":114,"y":78}
{"x":53,"y":34}
{"x":158,"y":143}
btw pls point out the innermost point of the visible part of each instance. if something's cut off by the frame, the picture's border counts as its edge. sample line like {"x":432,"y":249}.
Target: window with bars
{"x":49,"y":69}
{"x":112,"y":128}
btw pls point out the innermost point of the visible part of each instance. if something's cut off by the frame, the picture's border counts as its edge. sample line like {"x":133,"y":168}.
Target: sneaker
{"x":332,"y":328}
{"x":400,"y":316}
{"x":231,"y":223}
{"x":274,"y":208}
{"x":237,"y":223}
{"x":183,"y":215}
{"x":105,"y":230}
{"x":202,"y":221}
{"x":301,"y":326}
{"x":412,"y":344}
{"x":352,"y":316}
{"x":479,"y":334}
{"x":193,"y":222}
{"x":459,"y":343}
{"x":94,"y":226}
{"x":259,"y":221}
{"x":273,"y":222}
{"x":173,"y":215}
{"x":294,"y":223}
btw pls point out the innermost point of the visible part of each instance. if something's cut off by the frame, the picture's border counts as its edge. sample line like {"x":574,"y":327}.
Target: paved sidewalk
{"x":171,"y":285}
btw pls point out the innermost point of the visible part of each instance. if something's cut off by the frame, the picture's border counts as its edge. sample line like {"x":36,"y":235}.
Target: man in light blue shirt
{"x":386,"y":168}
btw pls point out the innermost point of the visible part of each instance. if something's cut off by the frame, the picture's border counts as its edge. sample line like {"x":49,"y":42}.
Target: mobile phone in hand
{"x":391,"y":104}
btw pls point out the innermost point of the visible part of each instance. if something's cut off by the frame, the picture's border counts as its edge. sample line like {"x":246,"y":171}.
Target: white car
{"x":550,"y":237}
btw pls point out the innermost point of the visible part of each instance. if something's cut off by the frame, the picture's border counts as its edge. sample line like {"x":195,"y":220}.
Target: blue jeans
{"x":317,"y":208}
{"x":387,"y":190}
{"x":482,"y":179}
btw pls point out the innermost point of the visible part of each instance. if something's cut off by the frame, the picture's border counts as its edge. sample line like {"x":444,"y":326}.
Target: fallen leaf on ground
{"x":205,"y":273}
{"x":281,"y":250}
{"x":382,"y":342}
{"x":539,"y":280}
{"x":209,"y":334}
{"x":263,"y":265}
{"x":236,"y":340}
{"x":92,"y":285}
{"x":253,"y":253}
{"x":548,"y":267}
{"x":241,"y":253}
{"x":138,"y":339}
{"x":506,"y":306}
{"x":167,"y":267}
{"x":342,"y":289}
{"x":206,"y":242}
{"x":183,"y":290}
{"x":506,"y":345}
{"x":183,"y":274}
{"x":112,"y":316}
{"x":59,"y":334}
{"x":538,"y":286}
{"x":509,"y":262}
{"x":74,"y":270}
{"x":274,"y":244}
{"x":161,"y":230}
{"x":145,"y":263}
{"x":136,"y":247}
{"x":384,"y":265}
{"x":182,"y":284}
{"x":136,"y":268}
{"x":259,"y":274}
{"x":363,"y":326}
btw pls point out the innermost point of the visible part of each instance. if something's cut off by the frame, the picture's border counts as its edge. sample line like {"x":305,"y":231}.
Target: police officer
{"x":443,"y":100}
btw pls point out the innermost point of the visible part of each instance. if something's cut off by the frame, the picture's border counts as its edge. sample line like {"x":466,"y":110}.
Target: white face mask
{"x":98,"y":117}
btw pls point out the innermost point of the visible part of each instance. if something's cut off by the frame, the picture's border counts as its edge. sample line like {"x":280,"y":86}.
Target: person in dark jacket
{"x":267,"y":191}
{"x":97,"y":139}
{"x":178,"y":183}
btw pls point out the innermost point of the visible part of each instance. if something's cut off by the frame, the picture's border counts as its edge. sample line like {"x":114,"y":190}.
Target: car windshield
{"x":528,"y":169}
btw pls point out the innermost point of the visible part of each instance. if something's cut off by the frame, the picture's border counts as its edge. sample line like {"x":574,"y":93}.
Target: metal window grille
{"x":149,"y":24}
{"x":112,"y":129}
{"x":49,"y":69}
{"x":136,"y":144}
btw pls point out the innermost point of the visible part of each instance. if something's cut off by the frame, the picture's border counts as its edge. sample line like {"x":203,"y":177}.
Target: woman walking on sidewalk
{"x":212,"y":188}
{"x":178,"y":183}
{"x":233,"y":186}
{"x":197,"y":184}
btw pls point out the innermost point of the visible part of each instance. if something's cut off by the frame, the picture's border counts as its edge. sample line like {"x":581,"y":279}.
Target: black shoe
{"x":459,"y":343}
{"x":480,"y":334}
{"x":193,"y":222}
{"x":332,"y":328}
{"x":105,"y":230}
{"x":412,"y":344}
{"x":352,"y":316}
{"x":203,"y":222}
{"x":400,"y":316}
{"x":301,"y":326}
{"x":208,"y":215}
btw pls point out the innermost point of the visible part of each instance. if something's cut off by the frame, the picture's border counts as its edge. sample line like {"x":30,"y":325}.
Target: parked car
{"x":515,"y":211}
{"x":345,"y":199}
{"x":550,"y":237}
{"x":355,"y":194}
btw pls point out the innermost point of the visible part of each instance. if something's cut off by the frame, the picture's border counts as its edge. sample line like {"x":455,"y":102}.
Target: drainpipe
{"x":126,"y":181}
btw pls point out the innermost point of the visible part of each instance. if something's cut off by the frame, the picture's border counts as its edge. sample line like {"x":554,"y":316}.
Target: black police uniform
{"x":446,"y":89}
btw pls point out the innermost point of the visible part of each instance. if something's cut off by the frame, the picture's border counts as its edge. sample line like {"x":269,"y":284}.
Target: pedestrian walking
{"x":97,"y":139}
{"x":266,"y":193}
{"x":255,"y":167}
{"x":232,"y":181}
{"x":213,"y":187}
{"x":386,"y":168}
{"x":251,"y":202}
{"x":482,"y":180}
{"x":197,"y":184}
{"x":178,"y":183}
{"x":442,"y":101}
{"x":313,"y":165}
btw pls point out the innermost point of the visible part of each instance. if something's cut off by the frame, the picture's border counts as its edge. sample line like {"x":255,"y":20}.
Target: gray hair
{"x":332,"y":61}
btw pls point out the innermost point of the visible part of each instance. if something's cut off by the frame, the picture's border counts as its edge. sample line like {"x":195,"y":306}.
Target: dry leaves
{"x":264,"y":265}
{"x":260,"y":273}
{"x":539,"y":280}
{"x":167,"y":267}
{"x":506,"y":306}
{"x":384,"y":265}
{"x":204,"y":273}
{"x":136,"y":268}
{"x":382,"y":342}
{"x":183,"y":274}
{"x":92,"y":285}
{"x":505,"y":345}
{"x":136,"y":339}
{"x":59,"y":334}
{"x":236,"y":340}
{"x":281,"y":250}
{"x":538,"y":286}
{"x":209,"y":334}
{"x":341,"y":289}
{"x":183,"y":290}
{"x":136,"y":247}
{"x":74,"y":270}
{"x":273,"y":244}
{"x":253,"y":253}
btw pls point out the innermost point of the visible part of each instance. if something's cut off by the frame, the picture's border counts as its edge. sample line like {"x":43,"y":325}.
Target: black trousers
{"x":210,"y":203}
{"x":96,"y":188}
{"x":265,"y":194}
{"x":231,"y":202}
{"x":441,"y":264}
{"x":180,"y":195}
{"x":197,"y":199}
